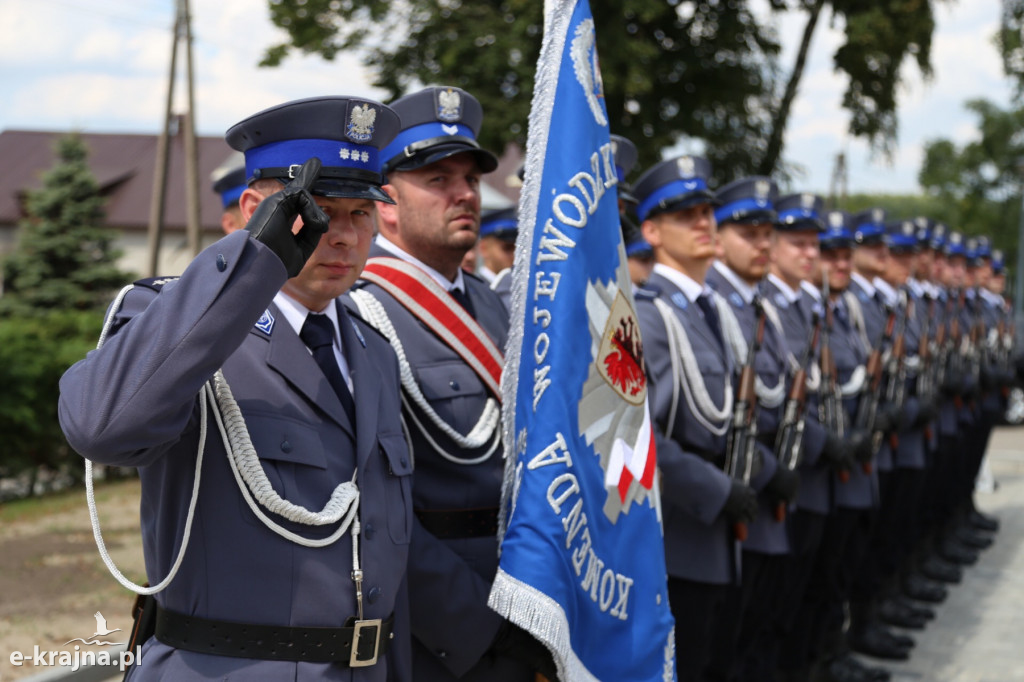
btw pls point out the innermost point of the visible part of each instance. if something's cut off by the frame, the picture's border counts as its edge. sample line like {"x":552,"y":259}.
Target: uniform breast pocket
{"x":293,"y":458}
{"x":399,"y":485}
{"x":454,"y":391}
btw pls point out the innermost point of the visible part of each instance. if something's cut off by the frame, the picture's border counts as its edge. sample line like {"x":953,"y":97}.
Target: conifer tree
{"x":64,"y":258}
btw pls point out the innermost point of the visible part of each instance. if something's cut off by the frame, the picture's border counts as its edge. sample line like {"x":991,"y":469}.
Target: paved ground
{"x":977,"y":633}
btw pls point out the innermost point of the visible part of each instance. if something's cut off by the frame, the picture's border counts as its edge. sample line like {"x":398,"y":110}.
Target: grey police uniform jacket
{"x":910,"y":448}
{"x":946,"y":420}
{"x":875,"y":317}
{"x":815,"y":476}
{"x":699,"y":545}
{"x":849,"y":353}
{"x":766,"y":535}
{"x":133,"y":402}
{"x":450,"y":579}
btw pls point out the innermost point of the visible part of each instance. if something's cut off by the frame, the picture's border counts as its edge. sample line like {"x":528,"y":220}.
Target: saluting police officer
{"x":451,"y":411}
{"x":690,"y":371}
{"x":273,"y":584}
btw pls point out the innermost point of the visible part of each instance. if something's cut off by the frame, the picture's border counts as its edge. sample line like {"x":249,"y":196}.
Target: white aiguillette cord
{"x":343,"y":504}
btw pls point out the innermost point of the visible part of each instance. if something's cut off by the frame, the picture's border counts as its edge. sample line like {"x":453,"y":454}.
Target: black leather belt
{"x":276,"y":643}
{"x":460,"y":523}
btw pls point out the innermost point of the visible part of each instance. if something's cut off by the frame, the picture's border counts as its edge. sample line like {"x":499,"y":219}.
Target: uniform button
{"x":442,"y":654}
{"x":404,"y":462}
{"x":286,"y":446}
{"x":454,"y":384}
{"x":222,"y":262}
{"x":373,"y":594}
{"x":368,"y":531}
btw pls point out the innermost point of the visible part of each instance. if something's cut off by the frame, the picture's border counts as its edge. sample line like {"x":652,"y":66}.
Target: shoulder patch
{"x":780,"y":301}
{"x":736,"y":300}
{"x":680,"y":300}
{"x":646,"y":292}
{"x":155,"y":283}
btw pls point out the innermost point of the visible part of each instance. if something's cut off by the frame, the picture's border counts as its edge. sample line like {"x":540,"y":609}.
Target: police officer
{"x":794,"y":258}
{"x":451,"y":412}
{"x":497,"y":246}
{"x":229,"y":181}
{"x":746,"y":219}
{"x":639,"y":254}
{"x":273,"y":584}
{"x":690,"y":375}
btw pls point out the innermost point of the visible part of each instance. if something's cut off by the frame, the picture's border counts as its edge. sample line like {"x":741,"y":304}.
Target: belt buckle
{"x":357,"y":632}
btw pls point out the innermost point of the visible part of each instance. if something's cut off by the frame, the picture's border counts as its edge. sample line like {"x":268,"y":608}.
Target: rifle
{"x":870,"y":397}
{"x":955,"y":350}
{"x":740,"y":448}
{"x":830,"y":408}
{"x":789,"y":440}
{"x":896,"y":368}
{"x":925,"y":379}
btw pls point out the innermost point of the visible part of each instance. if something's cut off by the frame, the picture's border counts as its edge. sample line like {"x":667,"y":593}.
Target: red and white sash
{"x":421,"y":295}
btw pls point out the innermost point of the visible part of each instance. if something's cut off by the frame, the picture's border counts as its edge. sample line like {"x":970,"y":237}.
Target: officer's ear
{"x":651,"y":230}
{"x":387,"y":214}
{"x":248,"y":202}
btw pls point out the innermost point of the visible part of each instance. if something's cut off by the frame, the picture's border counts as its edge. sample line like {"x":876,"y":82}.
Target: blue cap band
{"x":834,"y":238}
{"x":332,"y":154}
{"x":640,"y":246}
{"x":495,"y":225}
{"x":727,"y":211}
{"x":676,"y":188}
{"x":424,"y":131}
{"x":870,"y":230}
{"x":800,"y":213}
{"x":230,"y":196}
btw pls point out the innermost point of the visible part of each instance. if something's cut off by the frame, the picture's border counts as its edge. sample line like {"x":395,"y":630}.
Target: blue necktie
{"x":711,"y":317}
{"x":318,"y":334}
{"x":463,"y":300}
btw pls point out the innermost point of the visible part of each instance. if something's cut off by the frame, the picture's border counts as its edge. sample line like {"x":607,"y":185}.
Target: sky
{"x":103,"y":66}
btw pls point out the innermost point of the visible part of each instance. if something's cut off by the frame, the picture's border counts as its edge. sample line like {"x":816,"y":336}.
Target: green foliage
{"x":978,"y":187}
{"x":674,"y":72}
{"x":1010,"y":41}
{"x":34,"y":353}
{"x":64,"y":258}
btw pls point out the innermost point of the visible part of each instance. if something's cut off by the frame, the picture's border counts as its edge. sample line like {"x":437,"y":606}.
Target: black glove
{"x":782,"y":486}
{"x":741,"y":505}
{"x":928,"y":409}
{"x":952,"y":384}
{"x":271,"y":222}
{"x":837,"y":453}
{"x":888,"y":419}
{"x":859,"y":442}
{"x":514,"y":642}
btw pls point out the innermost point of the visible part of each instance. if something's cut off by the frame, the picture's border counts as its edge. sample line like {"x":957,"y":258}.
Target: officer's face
{"x":640,"y":268}
{"x":436,"y":217}
{"x":793,"y":255}
{"x":339,"y":257}
{"x":997,"y":284}
{"x":983,"y":274}
{"x":923,"y":264}
{"x":870,"y":259}
{"x":956,"y":271}
{"x":683,"y":236}
{"x":837,"y":262}
{"x":938,"y":273}
{"x":897,"y":268}
{"x":497,"y":254}
{"x":745,"y":249}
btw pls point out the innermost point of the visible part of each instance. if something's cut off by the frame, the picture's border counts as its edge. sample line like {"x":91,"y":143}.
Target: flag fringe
{"x":541,"y":616}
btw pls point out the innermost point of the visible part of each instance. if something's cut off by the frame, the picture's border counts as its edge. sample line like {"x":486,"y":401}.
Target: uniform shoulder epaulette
{"x":155,"y":283}
{"x":647,"y":293}
{"x":360,"y":284}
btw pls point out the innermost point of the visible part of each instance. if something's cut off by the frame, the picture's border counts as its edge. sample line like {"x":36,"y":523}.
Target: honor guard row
{"x":823,"y":387}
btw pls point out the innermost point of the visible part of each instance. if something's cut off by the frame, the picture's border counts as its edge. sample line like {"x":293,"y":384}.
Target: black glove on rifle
{"x":514,"y":642}
{"x":741,"y":505}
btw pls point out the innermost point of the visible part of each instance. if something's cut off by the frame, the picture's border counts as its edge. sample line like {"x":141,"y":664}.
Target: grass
{"x":34,"y":508}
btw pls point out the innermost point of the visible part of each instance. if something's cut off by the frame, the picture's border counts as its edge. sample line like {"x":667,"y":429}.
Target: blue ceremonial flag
{"x":582,"y":556}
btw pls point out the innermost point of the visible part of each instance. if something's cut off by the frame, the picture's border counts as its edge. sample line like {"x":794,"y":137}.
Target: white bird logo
{"x":101,"y":626}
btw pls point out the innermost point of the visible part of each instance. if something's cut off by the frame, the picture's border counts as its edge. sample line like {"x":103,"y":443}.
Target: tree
{"x":64,"y":258}
{"x":673,"y":71}
{"x":980,"y":184}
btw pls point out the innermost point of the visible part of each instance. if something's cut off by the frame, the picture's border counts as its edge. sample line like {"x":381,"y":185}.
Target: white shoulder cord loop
{"x":486,"y":428}
{"x":90,"y":496}
{"x":695,"y":392}
{"x":343,"y":504}
{"x":768,"y":397}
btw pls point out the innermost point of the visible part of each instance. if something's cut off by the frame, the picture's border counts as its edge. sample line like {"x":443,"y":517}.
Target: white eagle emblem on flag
{"x":449,"y":105}
{"x":360,"y":125}
{"x":584,"y":62}
{"x":613,"y":413}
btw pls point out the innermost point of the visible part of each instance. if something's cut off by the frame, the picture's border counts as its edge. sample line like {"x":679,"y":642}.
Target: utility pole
{"x":838,"y":187}
{"x":182,"y":33}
